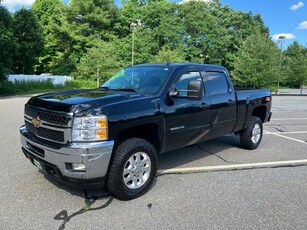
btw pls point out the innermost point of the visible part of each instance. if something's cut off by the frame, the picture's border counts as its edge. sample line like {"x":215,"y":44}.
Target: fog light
{"x":79,"y":167}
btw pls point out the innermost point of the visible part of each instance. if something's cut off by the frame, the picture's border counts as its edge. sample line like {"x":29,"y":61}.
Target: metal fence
{"x":56,"y":80}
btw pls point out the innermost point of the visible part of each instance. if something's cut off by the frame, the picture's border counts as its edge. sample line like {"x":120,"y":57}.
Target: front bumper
{"x":56,"y":159}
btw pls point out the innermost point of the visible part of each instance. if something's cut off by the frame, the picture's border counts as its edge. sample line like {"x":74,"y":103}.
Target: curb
{"x":275,"y":164}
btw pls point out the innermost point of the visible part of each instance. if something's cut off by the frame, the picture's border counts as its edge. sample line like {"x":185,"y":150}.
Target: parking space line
{"x":289,"y":138}
{"x":233,"y":167}
{"x":287,"y":119}
{"x":294,"y":132}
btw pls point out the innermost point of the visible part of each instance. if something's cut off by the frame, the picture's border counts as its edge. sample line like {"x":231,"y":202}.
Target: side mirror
{"x":195,"y":90}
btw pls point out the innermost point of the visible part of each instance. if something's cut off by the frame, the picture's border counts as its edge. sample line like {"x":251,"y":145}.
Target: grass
{"x":8,"y":88}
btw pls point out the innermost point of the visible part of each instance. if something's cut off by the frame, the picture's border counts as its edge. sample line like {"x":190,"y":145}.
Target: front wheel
{"x":251,"y":137}
{"x":133,"y":169}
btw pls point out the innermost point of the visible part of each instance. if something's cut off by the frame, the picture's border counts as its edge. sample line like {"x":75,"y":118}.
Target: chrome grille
{"x":50,"y":118}
{"x":49,"y":134}
{"x":54,"y":126}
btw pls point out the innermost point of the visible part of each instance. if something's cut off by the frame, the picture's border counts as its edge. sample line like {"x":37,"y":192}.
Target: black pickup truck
{"x":111,"y":136}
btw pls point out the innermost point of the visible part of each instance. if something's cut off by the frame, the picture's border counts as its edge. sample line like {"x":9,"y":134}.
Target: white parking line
{"x":287,"y":119}
{"x":289,"y":138}
{"x":233,"y":167}
{"x":294,"y":132}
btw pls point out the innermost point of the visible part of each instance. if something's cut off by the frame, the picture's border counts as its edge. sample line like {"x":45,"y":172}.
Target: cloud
{"x":185,"y":1}
{"x":275,"y":37}
{"x":14,"y":5}
{"x":302,"y":25}
{"x":297,"y":6}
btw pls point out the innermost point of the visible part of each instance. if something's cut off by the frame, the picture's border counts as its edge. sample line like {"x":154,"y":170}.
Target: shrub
{"x":7,"y":88}
{"x":76,"y":84}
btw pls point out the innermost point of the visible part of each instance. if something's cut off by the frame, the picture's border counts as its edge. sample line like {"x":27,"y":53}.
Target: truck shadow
{"x":202,"y":154}
{"x":94,"y":200}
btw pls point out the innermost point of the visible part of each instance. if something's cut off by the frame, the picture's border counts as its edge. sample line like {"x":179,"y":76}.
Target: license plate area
{"x":37,"y":164}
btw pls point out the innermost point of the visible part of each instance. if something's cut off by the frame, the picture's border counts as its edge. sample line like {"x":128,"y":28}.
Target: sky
{"x":283,"y":17}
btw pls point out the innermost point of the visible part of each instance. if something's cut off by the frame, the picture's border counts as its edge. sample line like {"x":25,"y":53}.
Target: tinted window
{"x":142,"y":79}
{"x":217,"y":83}
{"x":184,"y":80}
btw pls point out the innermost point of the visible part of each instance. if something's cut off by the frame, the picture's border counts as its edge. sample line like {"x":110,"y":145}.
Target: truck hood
{"x":80,"y":101}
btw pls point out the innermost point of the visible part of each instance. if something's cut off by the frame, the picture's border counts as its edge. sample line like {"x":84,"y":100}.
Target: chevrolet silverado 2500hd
{"x":112,"y":135}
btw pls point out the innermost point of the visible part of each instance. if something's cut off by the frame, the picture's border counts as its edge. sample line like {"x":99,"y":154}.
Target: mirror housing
{"x":195,"y":90}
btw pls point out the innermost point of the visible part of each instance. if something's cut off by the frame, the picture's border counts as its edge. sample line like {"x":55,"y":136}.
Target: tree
{"x":7,"y":43}
{"x":48,"y":13}
{"x":168,"y":55}
{"x":29,"y":36}
{"x":83,"y":23}
{"x":99,"y":63}
{"x":296,"y":65}
{"x":256,"y":63}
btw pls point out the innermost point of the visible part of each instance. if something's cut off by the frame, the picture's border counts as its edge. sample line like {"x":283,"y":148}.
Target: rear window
{"x":217,"y":83}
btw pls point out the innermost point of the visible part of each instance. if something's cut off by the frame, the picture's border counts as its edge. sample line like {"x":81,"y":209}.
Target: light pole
{"x":282,"y":39}
{"x":133,"y":25}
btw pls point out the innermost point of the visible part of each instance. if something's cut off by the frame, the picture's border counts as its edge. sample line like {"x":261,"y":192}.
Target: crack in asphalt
{"x":223,"y":159}
{"x":89,"y":201}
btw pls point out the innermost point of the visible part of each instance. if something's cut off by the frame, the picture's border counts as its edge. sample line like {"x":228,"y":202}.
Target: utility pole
{"x":282,"y":39}
{"x":133,"y":26}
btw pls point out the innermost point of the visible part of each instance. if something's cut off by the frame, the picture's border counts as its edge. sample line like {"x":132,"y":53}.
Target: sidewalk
{"x":291,"y":92}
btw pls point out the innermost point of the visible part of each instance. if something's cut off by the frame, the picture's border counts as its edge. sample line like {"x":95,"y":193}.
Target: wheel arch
{"x":149,"y":132}
{"x":260,"y":112}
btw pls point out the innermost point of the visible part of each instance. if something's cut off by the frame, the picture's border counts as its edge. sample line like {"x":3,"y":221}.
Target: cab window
{"x":184,"y":80}
{"x":217,"y":83}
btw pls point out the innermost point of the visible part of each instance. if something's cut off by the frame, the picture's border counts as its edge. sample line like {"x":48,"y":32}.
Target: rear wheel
{"x":251,"y":137}
{"x":133,"y":169}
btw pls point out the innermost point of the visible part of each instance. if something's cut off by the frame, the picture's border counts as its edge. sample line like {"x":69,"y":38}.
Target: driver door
{"x":187,"y":121}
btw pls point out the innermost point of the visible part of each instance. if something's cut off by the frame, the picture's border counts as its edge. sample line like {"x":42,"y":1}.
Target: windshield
{"x":143,"y":80}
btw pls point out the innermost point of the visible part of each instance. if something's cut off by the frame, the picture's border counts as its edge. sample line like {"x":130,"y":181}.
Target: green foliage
{"x":6,"y":88}
{"x":93,"y":39}
{"x":30,"y":87}
{"x":76,"y":84}
{"x":82,"y":23}
{"x":48,"y":14}
{"x":29,"y":36}
{"x":98,"y":63}
{"x":7,"y":43}
{"x":296,"y":64}
{"x":168,"y":55}
{"x":256,"y":63}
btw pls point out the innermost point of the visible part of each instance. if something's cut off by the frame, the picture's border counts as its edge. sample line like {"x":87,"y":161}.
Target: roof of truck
{"x":185,"y":64}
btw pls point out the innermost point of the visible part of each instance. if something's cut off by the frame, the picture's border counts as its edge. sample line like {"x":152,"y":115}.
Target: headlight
{"x":90,"y":128}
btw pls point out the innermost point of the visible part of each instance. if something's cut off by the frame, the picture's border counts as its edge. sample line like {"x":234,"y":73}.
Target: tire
{"x":133,"y":169}
{"x":251,"y":137}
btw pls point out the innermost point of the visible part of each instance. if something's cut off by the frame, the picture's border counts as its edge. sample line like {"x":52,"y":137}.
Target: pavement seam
{"x":233,"y":167}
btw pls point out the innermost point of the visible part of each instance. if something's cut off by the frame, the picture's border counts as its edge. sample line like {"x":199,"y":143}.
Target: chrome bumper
{"x":94,"y":156}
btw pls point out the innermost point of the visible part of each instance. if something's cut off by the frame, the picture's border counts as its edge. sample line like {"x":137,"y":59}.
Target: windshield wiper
{"x":125,"y":89}
{"x":104,"y":87}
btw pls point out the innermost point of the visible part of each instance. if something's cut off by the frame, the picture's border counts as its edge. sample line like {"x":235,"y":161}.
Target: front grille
{"x":49,"y":134}
{"x":50,"y":118}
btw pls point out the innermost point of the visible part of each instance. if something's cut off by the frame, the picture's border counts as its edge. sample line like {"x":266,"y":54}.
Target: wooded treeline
{"x":89,"y":37}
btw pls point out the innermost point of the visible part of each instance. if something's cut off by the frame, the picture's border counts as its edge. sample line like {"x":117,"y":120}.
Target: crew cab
{"x":111,"y":136}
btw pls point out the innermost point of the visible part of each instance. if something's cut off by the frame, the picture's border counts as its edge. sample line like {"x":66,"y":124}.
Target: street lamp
{"x":133,"y":25}
{"x":282,"y":39}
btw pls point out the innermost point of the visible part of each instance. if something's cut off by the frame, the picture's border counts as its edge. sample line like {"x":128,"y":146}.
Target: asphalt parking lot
{"x":270,"y":197}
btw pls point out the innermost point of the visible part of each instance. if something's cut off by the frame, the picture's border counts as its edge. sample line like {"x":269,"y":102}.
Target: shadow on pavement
{"x":194,"y":153}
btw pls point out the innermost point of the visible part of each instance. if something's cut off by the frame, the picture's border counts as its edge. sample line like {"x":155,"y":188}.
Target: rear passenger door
{"x":222,"y":103}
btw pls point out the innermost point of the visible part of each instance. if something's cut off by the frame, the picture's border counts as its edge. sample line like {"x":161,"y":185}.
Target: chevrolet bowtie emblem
{"x":36,"y":122}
